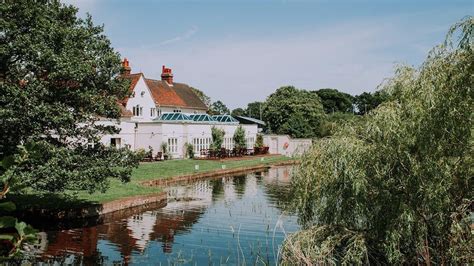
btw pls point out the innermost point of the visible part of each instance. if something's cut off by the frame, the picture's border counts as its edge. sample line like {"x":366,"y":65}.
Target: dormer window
{"x":137,"y":110}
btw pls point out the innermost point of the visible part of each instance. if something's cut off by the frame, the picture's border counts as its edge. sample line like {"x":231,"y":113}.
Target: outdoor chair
{"x":223,"y":153}
{"x":256,"y":150}
{"x":158,"y":156}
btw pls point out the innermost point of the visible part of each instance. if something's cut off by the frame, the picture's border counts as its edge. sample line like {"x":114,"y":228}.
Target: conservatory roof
{"x":174,"y":117}
{"x":249,"y":120}
{"x":201,"y":118}
{"x":225,"y":119}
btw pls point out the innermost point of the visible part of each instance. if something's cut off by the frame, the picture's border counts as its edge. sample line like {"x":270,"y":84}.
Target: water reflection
{"x":226,"y":220}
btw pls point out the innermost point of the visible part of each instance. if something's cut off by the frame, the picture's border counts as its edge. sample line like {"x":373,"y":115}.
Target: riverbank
{"x":153,"y":171}
{"x":143,"y":188}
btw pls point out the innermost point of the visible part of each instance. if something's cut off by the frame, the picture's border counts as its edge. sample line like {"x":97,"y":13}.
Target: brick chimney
{"x":166,"y":75}
{"x":126,"y":67}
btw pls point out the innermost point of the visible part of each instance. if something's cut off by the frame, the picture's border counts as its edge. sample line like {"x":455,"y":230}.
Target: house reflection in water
{"x":131,"y":236}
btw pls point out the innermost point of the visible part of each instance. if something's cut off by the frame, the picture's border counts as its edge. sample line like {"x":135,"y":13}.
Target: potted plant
{"x":164,"y":150}
{"x":258,"y":144}
{"x":150,"y":153}
{"x":189,"y":150}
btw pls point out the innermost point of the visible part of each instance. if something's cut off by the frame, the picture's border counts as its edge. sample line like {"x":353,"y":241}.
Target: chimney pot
{"x":167,"y":75}
{"x":126,"y":67}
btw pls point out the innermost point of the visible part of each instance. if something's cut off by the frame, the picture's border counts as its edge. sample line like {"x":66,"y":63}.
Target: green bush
{"x":239,"y":138}
{"x":164,"y":147}
{"x":141,"y":154}
{"x":259,"y":141}
{"x":217,"y":137}
{"x":189,"y":150}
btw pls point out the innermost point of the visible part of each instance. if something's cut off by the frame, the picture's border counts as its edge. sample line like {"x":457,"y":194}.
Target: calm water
{"x":228,"y":220}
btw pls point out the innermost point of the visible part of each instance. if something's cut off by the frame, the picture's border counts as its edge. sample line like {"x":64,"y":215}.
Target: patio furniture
{"x":256,"y":150}
{"x":223,"y":153}
{"x":250,"y":152}
{"x":158,"y":156}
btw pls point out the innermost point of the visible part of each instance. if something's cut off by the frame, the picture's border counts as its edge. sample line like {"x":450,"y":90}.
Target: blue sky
{"x":242,"y":51}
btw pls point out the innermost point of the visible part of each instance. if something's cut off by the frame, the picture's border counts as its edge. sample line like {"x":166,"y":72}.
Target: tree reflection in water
{"x":200,"y":224}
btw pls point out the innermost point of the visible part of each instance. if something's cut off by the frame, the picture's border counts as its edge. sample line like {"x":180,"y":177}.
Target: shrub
{"x":164,"y":147}
{"x":217,"y":137}
{"x":189,"y":150}
{"x":141,"y":154}
{"x":259,"y":141}
{"x":239,"y":138}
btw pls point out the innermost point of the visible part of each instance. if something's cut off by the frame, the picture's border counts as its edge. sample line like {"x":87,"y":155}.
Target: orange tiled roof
{"x":163,"y":94}
{"x":178,"y":95}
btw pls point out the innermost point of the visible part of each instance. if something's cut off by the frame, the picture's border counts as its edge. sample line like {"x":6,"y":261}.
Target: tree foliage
{"x":335,"y":101}
{"x":238,"y":112}
{"x":259,"y":141}
{"x":367,"y":101}
{"x":293,"y":111}
{"x":254,"y":110}
{"x":218,"y":108}
{"x":204,"y":98}
{"x":58,"y":76}
{"x":217,"y":137}
{"x":239,"y":138}
{"x":398,"y":188}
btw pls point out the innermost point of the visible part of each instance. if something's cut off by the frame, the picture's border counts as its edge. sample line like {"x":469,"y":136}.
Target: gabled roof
{"x":178,"y":95}
{"x":134,"y":78}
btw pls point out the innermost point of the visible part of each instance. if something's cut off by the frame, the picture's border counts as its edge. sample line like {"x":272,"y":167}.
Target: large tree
{"x":367,"y":101}
{"x":292,"y":111}
{"x":58,"y":77}
{"x":398,"y":189}
{"x":238,"y":112}
{"x":335,"y":101}
{"x":254,"y":110}
{"x":218,"y":108}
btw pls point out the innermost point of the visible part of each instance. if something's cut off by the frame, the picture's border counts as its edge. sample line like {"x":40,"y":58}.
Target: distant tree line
{"x":303,"y":113}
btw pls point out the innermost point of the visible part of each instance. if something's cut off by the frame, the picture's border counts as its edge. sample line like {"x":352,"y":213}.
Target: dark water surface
{"x":223,"y":221}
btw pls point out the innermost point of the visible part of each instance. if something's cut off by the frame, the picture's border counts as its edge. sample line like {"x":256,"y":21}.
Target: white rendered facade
{"x":144,"y":129}
{"x":143,"y":135}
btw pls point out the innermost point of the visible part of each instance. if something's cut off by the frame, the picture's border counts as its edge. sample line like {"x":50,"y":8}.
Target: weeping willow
{"x":396,"y":188}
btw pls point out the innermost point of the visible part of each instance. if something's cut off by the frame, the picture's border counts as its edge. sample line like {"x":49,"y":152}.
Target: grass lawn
{"x":145,"y":171}
{"x":168,"y":169}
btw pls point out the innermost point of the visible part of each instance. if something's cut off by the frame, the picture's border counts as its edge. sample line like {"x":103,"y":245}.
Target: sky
{"x":242,"y":51}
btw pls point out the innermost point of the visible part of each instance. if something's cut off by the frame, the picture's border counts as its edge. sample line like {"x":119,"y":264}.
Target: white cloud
{"x":188,"y":34}
{"x":350,"y":57}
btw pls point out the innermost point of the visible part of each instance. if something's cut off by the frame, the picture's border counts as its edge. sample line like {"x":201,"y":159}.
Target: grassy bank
{"x":169,"y":169}
{"x":144,"y":172}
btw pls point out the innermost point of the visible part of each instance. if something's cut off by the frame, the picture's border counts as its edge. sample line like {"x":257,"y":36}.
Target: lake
{"x":220,"y":221}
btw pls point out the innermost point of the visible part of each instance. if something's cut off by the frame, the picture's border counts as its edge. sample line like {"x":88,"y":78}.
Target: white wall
{"x":126,"y":134}
{"x":142,"y":98}
{"x":167,"y":109}
{"x":285,"y":145}
{"x":142,"y":135}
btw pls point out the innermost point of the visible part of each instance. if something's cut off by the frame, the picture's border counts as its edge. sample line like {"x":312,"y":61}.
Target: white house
{"x":165,"y":111}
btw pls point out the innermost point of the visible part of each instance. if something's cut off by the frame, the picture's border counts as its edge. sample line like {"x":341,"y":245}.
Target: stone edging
{"x":190,"y":177}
